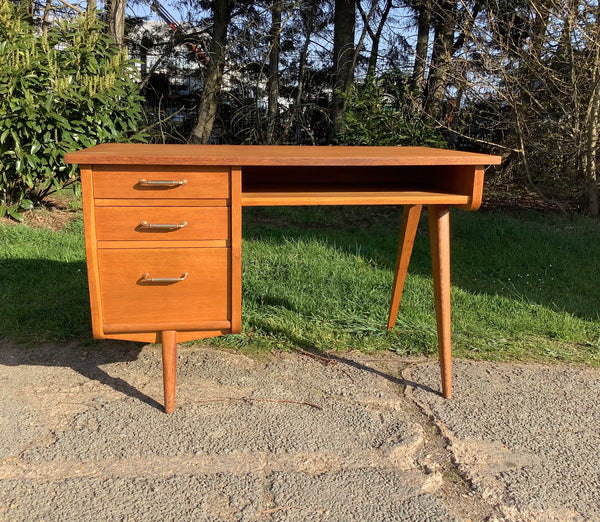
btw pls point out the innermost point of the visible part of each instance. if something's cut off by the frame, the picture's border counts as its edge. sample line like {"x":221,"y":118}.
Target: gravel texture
{"x":527,"y":436}
{"x":291,"y":436}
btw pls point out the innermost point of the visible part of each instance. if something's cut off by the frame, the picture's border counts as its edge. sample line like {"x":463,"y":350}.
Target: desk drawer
{"x":122,"y":181}
{"x":142,"y":286}
{"x":161,"y":223}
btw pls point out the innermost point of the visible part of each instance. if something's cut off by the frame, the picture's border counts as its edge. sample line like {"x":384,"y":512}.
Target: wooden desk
{"x":163,"y":227}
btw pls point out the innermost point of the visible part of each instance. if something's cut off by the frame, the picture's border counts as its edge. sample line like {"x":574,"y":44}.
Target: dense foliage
{"x":381,"y":111}
{"x":519,"y":78}
{"x":61,"y":89}
{"x":529,"y":83}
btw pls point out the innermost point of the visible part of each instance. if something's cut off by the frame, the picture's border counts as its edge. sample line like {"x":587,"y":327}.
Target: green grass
{"x":525,"y":284}
{"x":43,"y":284}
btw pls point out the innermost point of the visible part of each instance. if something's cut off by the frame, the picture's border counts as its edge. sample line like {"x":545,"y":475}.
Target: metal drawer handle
{"x":147,"y":279}
{"x":161,"y":183}
{"x":163,"y":226}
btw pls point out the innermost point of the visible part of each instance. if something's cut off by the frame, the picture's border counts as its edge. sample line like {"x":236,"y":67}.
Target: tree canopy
{"x":516,"y":77}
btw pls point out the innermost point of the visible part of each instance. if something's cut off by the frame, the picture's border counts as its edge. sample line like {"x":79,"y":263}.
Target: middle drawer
{"x":160,"y":223}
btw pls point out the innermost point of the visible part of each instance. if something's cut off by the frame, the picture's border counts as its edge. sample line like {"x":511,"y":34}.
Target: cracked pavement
{"x":292,"y":436}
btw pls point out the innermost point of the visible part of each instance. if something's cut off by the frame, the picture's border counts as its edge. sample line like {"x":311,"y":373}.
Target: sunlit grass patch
{"x":524,"y":285}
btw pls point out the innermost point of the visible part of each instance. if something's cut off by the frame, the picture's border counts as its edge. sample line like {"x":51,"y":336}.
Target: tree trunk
{"x":441,"y":57}
{"x":273,"y":81}
{"x":46,"y":17}
{"x":592,"y":129}
{"x":90,"y":8}
{"x":309,"y":27}
{"x":467,"y":27}
{"x":424,"y":25}
{"x":343,"y":53}
{"x":375,"y":35}
{"x":591,"y":152}
{"x":115,"y":18}
{"x":207,"y":109}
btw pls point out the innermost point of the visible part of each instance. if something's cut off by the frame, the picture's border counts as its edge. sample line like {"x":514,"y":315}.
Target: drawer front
{"x":161,"y":223}
{"x":130,"y":292}
{"x":122,"y":181}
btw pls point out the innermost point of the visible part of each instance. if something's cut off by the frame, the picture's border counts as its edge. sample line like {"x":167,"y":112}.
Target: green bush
{"x":380,"y":111}
{"x":60,"y":91}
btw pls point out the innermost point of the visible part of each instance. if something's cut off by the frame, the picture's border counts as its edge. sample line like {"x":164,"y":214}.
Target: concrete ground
{"x":292,"y":436}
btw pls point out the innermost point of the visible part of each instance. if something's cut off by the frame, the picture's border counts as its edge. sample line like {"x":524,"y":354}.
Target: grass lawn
{"x":524,"y":284}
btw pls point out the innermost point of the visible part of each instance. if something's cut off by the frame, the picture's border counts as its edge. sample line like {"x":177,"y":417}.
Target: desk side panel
{"x":463,"y":179}
{"x":91,"y":251}
{"x":236,"y":249}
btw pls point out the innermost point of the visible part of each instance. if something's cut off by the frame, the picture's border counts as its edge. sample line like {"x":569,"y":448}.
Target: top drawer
{"x":132,"y":181}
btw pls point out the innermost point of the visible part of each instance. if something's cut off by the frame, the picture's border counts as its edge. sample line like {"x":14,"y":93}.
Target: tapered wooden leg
{"x":408,"y":231}
{"x":439,"y":233}
{"x":169,"y":356}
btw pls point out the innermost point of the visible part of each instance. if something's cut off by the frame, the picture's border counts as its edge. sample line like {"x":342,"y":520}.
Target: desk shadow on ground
{"x":328,"y":357}
{"x":45,"y":321}
{"x":532,"y":257}
{"x":85,"y":360}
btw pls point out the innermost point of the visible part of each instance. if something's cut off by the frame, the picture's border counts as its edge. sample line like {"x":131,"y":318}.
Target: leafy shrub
{"x":380,"y":111}
{"x":60,"y":91}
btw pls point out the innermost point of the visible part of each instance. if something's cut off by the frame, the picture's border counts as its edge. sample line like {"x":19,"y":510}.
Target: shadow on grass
{"x":526,"y":256}
{"x":44,"y":300}
{"x":531,"y":257}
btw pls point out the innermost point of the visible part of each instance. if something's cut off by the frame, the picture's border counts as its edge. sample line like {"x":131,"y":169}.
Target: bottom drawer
{"x":162,"y":285}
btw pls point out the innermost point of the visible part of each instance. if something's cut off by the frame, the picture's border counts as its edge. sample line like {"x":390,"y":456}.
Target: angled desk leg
{"x":439,"y":235}
{"x":408,"y":231}
{"x":169,"y":356}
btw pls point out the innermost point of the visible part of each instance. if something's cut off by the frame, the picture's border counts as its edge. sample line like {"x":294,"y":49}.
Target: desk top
{"x":274,"y":155}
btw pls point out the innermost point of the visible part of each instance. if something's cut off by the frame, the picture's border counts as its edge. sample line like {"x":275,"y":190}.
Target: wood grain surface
{"x":245,"y":155}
